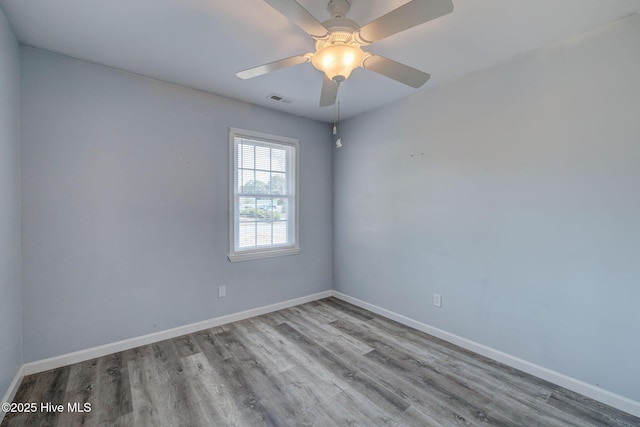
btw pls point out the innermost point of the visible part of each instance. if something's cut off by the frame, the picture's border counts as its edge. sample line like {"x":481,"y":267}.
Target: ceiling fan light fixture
{"x":338,"y":60}
{"x":339,"y":42}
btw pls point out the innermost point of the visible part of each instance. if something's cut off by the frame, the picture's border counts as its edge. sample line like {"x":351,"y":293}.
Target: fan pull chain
{"x":336,"y":122}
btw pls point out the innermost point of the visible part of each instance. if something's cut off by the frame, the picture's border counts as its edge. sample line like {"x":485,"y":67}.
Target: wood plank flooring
{"x":325,"y":363}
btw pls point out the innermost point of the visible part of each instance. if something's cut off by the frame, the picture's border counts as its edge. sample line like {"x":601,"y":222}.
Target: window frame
{"x":235,"y":253}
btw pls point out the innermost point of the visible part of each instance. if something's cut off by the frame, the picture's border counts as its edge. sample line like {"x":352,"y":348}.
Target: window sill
{"x":248,"y":256}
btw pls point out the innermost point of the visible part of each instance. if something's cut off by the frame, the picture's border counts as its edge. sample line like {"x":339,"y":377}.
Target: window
{"x":264,"y":201}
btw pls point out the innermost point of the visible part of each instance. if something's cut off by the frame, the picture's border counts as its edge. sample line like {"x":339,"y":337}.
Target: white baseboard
{"x":591,"y":391}
{"x":13,"y":388}
{"x":103,"y":350}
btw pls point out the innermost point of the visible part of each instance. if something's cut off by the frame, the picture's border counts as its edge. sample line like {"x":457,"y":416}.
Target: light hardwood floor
{"x":325,"y":363}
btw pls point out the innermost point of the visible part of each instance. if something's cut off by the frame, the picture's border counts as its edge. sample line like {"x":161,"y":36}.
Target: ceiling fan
{"x":339,"y":42}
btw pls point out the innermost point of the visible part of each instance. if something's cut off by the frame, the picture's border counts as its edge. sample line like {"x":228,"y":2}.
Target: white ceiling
{"x":202,"y":43}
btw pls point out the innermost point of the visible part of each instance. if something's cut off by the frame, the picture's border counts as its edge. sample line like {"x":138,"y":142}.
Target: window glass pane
{"x":281,"y":210}
{"x":262,"y":182}
{"x":267,"y":210}
{"x":280,"y":230}
{"x":247,"y":156}
{"x":264,"y":233}
{"x":247,"y":208}
{"x":246,"y":181}
{"x":247,"y":234}
{"x":277,"y":183}
{"x":263,"y":158}
{"x":278,"y":160}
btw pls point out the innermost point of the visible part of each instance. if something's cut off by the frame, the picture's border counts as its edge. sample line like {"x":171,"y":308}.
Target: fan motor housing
{"x":338,"y":8}
{"x":340,"y":25}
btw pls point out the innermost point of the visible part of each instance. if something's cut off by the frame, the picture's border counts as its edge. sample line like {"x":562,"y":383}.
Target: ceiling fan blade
{"x":409,"y":15}
{"x":299,"y":16}
{"x":396,"y":71}
{"x":329,"y":92}
{"x":272,"y":66}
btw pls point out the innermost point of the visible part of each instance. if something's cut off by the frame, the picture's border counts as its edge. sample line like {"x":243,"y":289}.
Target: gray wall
{"x":515,"y":193}
{"x":125,"y":206}
{"x":10,"y":269}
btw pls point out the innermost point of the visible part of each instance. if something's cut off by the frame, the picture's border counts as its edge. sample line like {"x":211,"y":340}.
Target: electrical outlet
{"x":222,"y":291}
{"x":437,"y":300}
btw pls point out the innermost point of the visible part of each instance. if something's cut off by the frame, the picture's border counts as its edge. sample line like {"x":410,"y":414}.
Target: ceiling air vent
{"x":280,"y":98}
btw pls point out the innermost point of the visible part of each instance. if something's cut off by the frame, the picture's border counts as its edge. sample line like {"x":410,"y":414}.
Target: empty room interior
{"x":313,"y":212}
